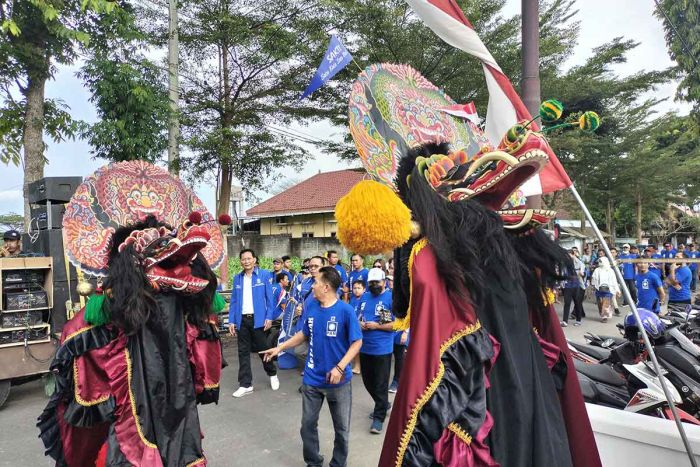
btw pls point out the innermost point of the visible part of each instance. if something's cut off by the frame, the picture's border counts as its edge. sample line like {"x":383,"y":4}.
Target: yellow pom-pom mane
{"x":372,"y":219}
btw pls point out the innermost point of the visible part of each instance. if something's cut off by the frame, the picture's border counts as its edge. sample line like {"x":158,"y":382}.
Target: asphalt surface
{"x":258,"y":429}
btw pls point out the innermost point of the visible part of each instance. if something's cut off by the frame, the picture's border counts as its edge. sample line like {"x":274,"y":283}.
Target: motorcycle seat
{"x":600,"y":373}
{"x":598,"y":353}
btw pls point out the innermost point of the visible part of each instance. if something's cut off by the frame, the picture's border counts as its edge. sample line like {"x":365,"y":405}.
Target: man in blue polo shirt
{"x":650,"y":290}
{"x":358,"y":272}
{"x":667,"y":253}
{"x":377,"y":345}
{"x":334,"y":260}
{"x":629,"y":271}
{"x":334,"y":338}
{"x":678,"y":281}
{"x":250,"y":315}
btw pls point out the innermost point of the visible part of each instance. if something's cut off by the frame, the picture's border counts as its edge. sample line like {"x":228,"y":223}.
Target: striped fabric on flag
{"x":505,"y":107}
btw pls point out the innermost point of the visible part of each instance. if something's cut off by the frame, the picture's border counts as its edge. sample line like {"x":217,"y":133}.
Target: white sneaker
{"x":274,"y":383}
{"x":240,"y":392}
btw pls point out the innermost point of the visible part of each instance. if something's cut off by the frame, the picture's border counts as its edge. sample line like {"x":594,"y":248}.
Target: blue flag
{"x":335,"y":59}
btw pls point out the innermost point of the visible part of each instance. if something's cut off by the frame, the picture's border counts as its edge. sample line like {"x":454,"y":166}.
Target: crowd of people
{"x":339,"y":323}
{"x":651,"y":284}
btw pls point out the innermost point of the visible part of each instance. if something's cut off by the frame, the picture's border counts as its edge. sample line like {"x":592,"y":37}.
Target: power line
{"x":684,"y":44}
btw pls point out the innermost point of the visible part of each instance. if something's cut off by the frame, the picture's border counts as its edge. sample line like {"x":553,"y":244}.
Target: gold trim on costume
{"x":429,"y":390}
{"x":401,"y":324}
{"x":211,"y":386}
{"x":133,"y":402}
{"x":460,"y":433}
{"x":79,"y":331}
{"x":196,"y":462}
{"x":76,"y":395}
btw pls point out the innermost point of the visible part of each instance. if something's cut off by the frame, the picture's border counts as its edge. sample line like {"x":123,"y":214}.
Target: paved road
{"x":260,"y":429}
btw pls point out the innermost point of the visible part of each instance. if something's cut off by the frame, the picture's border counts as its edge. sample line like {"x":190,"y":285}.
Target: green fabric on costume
{"x":218,"y":303}
{"x":96,"y":312}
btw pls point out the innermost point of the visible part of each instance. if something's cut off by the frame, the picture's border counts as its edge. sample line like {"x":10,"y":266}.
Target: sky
{"x":601,"y":21}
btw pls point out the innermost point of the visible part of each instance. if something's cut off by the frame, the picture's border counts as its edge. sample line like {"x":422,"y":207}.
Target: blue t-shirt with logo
{"x":355,"y":304}
{"x":376,"y":342}
{"x":628,"y":268}
{"x":683,"y":277}
{"x":668,"y":253}
{"x":647,"y":291}
{"x":357,"y":275}
{"x":330,"y":332}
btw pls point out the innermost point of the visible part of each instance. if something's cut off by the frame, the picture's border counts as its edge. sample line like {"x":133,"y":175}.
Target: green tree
{"x":11,"y":221}
{"x":244,"y":65}
{"x":36,"y":36}
{"x":127,"y":89}
{"x":681,"y":20}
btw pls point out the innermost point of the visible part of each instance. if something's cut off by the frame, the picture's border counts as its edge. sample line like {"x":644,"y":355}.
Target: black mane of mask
{"x":542,"y":264}
{"x":132,"y":300}
{"x":468,"y":239}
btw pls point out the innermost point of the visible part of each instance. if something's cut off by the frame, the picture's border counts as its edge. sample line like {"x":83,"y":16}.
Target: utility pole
{"x":173,"y":90}
{"x":530,"y":81}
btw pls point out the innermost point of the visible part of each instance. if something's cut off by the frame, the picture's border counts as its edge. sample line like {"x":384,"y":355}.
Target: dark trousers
{"x":340,"y":405}
{"x":575,"y":295}
{"x":632,"y":286}
{"x":250,"y":340}
{"x":376,"y":370}
{"x":399,"y":354}
{"x":693,"y":279}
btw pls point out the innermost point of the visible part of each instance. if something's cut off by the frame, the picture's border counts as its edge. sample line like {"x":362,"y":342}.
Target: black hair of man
{"x":247,"y":250}
{"x":357,"y":254}
{"x":361,"y":282}
{"x":320,"y":258}
{"x":280,"y":276}
{"x":286,"y":258}
{"x":306,"y":261}
{"x":332,"y":252}
{"x":330,"y":275}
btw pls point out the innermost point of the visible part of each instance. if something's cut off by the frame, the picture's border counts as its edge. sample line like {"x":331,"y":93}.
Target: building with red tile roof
{"x":306,"y":209}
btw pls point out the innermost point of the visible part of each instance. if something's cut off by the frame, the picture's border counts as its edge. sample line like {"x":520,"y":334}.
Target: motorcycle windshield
{"x":685,"y":343}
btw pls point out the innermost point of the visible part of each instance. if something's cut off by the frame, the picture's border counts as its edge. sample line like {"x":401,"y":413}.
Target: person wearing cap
{"x":629,"y":271}
{"x":12,"y":246}
{"x":278,"y":267}
{"x":376,"y":321}
{"x":653,"y":267}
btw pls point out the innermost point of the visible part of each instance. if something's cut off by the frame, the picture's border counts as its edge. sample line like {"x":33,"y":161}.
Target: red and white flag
{"x":467,"y":111}
{"x":505,"y":107}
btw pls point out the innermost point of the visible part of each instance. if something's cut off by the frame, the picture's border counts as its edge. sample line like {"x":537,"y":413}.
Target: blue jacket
{"x":263,"y":302}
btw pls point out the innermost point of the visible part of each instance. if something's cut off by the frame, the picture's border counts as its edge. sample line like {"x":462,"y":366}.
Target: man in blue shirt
{"x":376,"y":321}
{"x":667,"y":253}
{"x":653,"y":267}
{"x":650,"y":289}
{"x":678,"y":281}
{"x":250,"y":315}
{"x":280,"y":296}
{"x":629,"y":271}
{"x":334,"y":260}
{"x":693,"y":254}
{"x":357,"y":272}
{"x":334,"y":337}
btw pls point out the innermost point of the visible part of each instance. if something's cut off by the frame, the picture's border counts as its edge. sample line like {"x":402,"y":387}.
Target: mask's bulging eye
{"x":163,"y":242}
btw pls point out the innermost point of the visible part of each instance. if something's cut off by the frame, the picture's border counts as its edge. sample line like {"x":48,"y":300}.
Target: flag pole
{"x":645,"y":337}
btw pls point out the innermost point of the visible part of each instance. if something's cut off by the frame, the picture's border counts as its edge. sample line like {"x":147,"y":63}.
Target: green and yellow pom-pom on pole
{"x":549,"y":112}
{"x":589,"y":121}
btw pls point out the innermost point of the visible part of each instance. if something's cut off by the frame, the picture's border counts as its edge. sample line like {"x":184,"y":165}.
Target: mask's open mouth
{"x":493,"y":177}
{"x":520,"y":219}
{"x":169,"y":267}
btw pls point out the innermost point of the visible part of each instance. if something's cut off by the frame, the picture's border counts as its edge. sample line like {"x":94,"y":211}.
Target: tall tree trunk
{"x":609,"y":221}
{"x":225,"y":189}
{"x":638,"y":202}
{"x":226,"y":119}
{"x":32,"y":139}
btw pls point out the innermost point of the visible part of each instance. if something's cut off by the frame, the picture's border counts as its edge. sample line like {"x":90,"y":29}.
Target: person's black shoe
{"x":617,"y":312}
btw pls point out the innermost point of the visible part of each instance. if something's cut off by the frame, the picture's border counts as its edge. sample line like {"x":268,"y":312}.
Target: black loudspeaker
{"x":40,"y":216}
{"x":50,"y":243}
{"x":53,"y":189}
{"x":62,"y":291}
